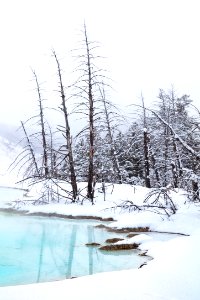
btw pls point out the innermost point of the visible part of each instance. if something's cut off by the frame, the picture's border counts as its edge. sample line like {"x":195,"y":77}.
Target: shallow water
{"x":38,"y":249}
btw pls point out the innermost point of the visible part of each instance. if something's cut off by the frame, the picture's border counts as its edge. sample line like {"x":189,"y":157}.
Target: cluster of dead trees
{"x":56,"y":162}
{"x":158,"y":148}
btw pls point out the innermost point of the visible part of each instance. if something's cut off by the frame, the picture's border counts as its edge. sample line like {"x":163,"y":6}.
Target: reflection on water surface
{"x":37,"y":249}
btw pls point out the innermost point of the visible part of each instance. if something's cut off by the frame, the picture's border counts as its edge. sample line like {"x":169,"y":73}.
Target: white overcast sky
{"x":149,"y":44}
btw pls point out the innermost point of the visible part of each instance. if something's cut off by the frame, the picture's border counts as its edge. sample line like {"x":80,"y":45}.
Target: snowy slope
{"x":8,"y":152}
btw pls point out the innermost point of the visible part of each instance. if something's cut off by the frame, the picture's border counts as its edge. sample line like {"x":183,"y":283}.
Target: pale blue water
{"x":37,"y":249}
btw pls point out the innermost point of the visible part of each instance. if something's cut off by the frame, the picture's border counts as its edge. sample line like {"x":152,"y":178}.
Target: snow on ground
{"x":172,"y":274}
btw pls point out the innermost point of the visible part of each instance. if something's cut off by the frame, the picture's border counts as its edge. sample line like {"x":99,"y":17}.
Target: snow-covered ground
{"x":172,"y":274}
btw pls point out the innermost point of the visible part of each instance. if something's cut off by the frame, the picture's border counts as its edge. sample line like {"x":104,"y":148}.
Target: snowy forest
{"x":154,"y":147}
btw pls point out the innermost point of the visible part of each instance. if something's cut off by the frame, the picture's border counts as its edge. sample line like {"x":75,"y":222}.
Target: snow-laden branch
{"x":184,"y":144}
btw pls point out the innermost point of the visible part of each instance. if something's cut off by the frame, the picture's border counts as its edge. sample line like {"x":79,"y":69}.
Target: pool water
{"x":38,"y":249}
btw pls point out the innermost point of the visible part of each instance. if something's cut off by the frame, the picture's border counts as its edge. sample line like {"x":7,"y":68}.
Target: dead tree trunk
{"x":91,"y":174}
{"x":67,"y":133}
{"x":146,"y":148}
{"x":166,"y":155}
{"x":146,"y":159}
{"x":195,"y":184}
{"x":31,"y":150}
{"x":177,"y":170}
{"x":154,"y":167}
{"x":43,"y":133}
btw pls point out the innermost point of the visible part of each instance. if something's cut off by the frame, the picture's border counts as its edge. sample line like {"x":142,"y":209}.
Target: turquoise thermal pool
{"x":37,"y":249}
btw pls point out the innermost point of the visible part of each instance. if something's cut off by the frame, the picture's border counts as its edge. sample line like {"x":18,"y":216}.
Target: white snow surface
{"x":173,"y":273}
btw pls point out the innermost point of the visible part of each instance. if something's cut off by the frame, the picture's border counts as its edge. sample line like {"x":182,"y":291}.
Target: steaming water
{"x":38,"y":249}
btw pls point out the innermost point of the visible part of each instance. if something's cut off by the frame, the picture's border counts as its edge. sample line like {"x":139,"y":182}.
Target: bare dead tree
{"x":42,"y":124}
{"x":29,"y":145}
{"x":177,"y":169}
{"x":87,"y":93}
{"x":146,"y":148}
{"x":67,"y":131}
{"x":91,"y":177}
